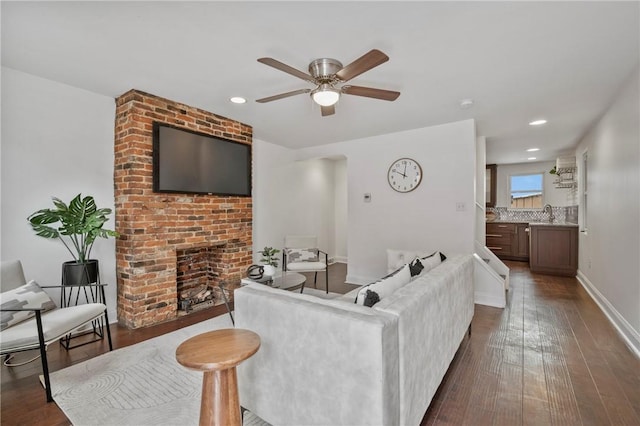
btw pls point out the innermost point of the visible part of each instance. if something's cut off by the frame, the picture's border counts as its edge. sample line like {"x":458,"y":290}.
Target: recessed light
{"x":531,"y":158}
{"x":537,"y":122}
{"x":533,"y":149}
{"x":238,"y":100}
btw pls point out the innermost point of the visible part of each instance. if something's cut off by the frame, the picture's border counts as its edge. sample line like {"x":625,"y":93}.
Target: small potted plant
{"x":269,"y":260}
{"x":78,"y":226}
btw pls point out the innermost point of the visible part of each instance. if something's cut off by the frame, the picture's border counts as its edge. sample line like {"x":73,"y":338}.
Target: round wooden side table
{"x":217,"y":353}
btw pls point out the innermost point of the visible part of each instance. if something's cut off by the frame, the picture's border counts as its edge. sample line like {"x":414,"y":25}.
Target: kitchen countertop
{"x":555,"y":223}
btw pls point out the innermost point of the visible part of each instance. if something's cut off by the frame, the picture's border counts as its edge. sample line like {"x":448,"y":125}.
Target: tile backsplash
{"x":562,"y":214}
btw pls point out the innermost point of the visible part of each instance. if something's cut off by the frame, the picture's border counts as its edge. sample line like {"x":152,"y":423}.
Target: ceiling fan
{"x":329,"y":77}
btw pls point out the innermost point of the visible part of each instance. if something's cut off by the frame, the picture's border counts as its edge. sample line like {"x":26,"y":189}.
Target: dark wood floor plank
{"x":562,"y":338}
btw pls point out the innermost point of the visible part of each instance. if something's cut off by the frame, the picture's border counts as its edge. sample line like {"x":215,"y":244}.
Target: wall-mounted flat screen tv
{"x":190,"y":162}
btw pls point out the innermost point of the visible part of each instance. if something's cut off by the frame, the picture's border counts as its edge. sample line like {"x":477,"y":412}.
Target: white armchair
{"x":301,"y":254}
{"x":30,"y":319}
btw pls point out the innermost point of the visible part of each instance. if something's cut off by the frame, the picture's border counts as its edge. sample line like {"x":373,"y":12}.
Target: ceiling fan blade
{"x":283,"y":95}
{"x":364,"y":63}
{"x":328,"y":110}
{"x":286,"y":68}
{"x":370,"y":92}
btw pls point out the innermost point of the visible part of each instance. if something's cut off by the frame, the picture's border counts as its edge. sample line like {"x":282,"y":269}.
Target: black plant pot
{"x":76,"y":273}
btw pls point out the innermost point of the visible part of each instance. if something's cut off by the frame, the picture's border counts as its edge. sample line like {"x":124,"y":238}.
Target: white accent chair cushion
{"x":55,"y":324}
{"x":306,"y":266}
{"x":302,"y":255}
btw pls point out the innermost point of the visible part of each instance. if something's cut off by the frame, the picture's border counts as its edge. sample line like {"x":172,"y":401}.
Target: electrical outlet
{"x":460,"y":207}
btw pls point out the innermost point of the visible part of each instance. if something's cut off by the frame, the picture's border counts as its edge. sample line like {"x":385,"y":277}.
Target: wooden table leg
{"x":219,"y":405}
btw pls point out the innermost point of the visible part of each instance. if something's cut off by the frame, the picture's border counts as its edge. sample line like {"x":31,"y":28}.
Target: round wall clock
{"x":404,"y":175}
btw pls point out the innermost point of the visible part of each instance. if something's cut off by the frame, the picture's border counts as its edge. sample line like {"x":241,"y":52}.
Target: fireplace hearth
{"x":196,"y":298}
{"x":198,"y":278}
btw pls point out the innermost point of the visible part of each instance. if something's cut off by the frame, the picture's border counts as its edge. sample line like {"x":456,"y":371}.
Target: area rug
{"x":142,"y":384}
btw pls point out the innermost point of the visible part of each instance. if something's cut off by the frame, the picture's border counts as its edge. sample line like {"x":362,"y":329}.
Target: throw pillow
{"x":415,"y":267}
{"x":432,"y":261}
{"x":301,"y":255}
{"x":386,"y":285}
{"x":371,"y":299}
{"x":28,"y":296}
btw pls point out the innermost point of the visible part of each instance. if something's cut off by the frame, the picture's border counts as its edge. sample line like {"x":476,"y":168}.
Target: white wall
{"x":291,"y":197}
{"x":609,"y":255}
{"x":57,"y":140}
{"x":341,"y":199}
{"x":270,"y":195}
{"x":423,"y":219}
{"x":557,"y":197}
{"x":481,"y":193}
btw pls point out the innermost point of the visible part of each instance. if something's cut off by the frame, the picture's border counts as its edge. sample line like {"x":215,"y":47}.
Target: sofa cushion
{"x":387,"y":285}
{"x":334,"y":303}
{"x":28,"y":296}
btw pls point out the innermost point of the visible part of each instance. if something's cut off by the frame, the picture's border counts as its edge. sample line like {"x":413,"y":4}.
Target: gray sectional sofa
{"x":332,"y":362}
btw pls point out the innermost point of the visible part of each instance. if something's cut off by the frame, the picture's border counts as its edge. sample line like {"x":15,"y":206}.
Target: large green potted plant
{"x":77,"y":225}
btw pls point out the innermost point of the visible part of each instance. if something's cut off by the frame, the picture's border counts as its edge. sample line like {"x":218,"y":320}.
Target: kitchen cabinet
{"x":554,"y":249}
{"x":521,"y":247}
{"x":508,"y":241}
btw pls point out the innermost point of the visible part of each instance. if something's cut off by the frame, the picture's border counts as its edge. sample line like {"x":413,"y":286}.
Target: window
{"x":526,"y":191}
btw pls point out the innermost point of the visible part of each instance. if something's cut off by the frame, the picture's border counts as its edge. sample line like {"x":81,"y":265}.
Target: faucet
{"x":548,"y":209}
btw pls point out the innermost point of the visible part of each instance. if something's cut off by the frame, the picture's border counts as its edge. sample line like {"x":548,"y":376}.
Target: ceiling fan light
{"x":325,"y":95}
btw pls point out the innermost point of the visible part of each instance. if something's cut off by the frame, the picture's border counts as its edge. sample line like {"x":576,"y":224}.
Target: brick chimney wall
{"x":153,"y":226}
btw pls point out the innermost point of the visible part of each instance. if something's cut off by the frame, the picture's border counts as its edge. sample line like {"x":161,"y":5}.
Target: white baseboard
{"x":630,"y":336}
{"x":488,"y":299}
{"x":354,"y":279}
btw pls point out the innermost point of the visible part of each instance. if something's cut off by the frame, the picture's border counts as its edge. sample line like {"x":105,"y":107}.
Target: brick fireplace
{"x":155,"y":229}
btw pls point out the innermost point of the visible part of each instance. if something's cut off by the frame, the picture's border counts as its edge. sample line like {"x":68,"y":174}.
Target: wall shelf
{"x":566,"y":177}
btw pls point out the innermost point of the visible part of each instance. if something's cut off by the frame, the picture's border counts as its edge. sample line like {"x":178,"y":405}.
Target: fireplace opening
{"x":198,"y":278}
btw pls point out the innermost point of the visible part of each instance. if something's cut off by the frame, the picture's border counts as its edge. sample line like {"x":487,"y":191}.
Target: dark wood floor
{"x":550,"y":357}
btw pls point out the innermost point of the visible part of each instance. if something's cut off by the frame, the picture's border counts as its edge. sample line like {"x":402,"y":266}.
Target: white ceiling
{"x":518,"y":61}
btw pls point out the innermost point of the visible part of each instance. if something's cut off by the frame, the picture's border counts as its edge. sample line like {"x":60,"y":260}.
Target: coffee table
{"x":286,"y":280}
{"x":283,"y":280}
